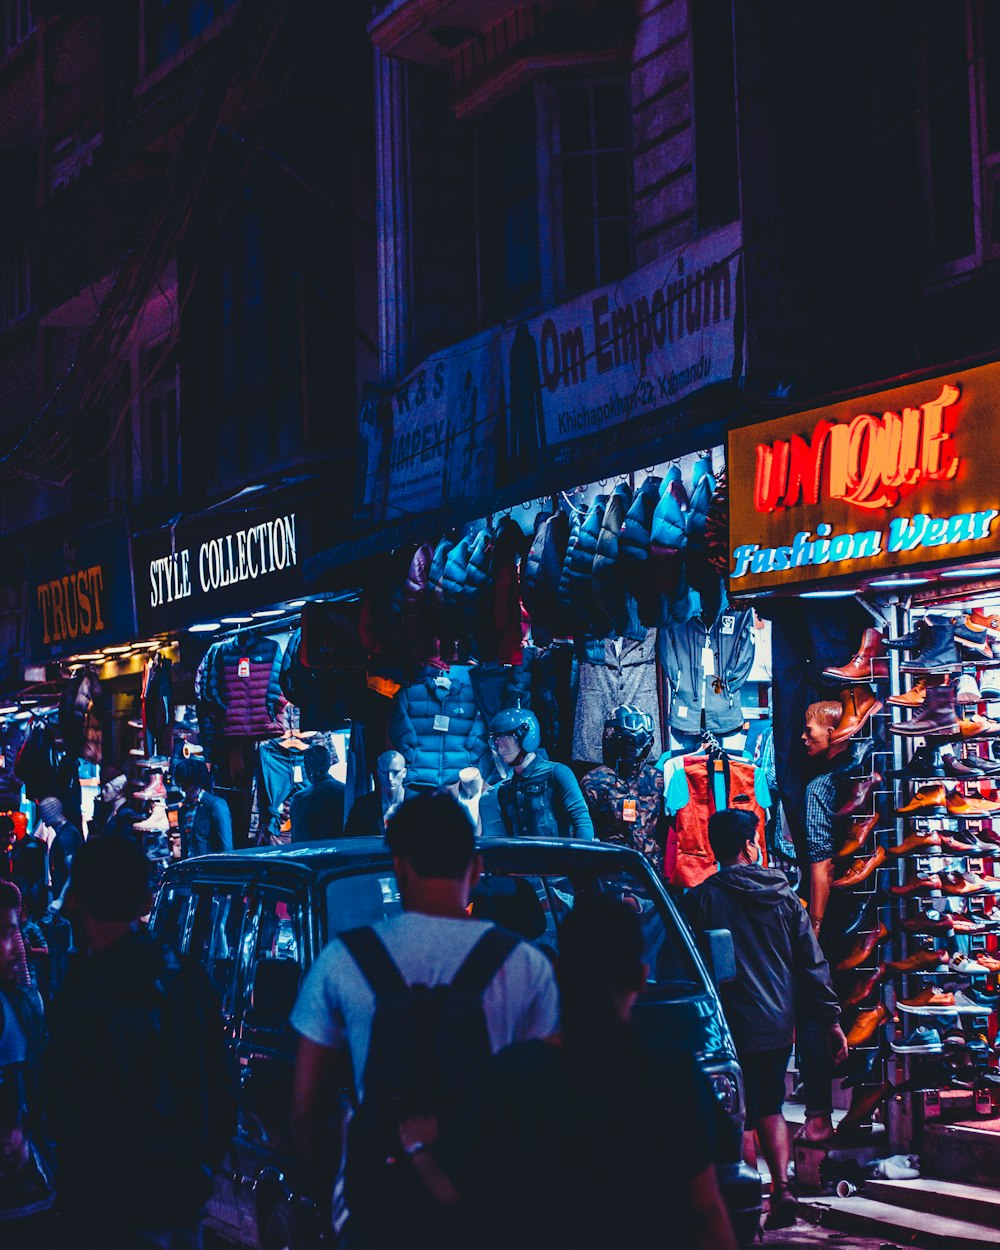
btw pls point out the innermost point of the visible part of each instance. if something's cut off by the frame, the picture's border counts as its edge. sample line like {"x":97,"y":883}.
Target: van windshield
{"x":535,"y":905}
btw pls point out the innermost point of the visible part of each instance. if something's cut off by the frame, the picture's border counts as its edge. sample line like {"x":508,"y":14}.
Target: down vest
{"x":437,"y":728}
{"x":633,"y":549}
{"x":243,"y":682}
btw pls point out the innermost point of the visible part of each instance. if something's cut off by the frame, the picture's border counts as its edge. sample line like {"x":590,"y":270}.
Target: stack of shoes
{"x":859,"y":704}
{"x":867,"y":664}
{"x":936,"y":717}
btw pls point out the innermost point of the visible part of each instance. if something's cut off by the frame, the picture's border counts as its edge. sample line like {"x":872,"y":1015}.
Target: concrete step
{"x":973,"y":1203}
{"x":961,"y":1152}
{"x":879,"y":1219}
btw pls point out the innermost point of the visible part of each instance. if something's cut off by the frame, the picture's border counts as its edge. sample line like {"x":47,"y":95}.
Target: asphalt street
{"x":810,"y":1235}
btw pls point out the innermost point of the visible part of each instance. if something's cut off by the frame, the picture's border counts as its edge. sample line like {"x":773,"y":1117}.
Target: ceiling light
{"x":298,"y":603}
{"x":270,"y":612}
{"x":7,"y":711}
{"x":900,"y":581}
{"x":236,"y":620}
{"x":967,"y":573}
{"x":24,"y":716}
{"x":117,"y":650}
{"x":827,"y":594}
{"x":90,"y":655}
{"x":207,"y":627}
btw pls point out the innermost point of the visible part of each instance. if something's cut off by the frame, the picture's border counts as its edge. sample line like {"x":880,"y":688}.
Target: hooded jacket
{"x":778,"y":960}
{"x":680,"y":648}
{"x":540,"y":580}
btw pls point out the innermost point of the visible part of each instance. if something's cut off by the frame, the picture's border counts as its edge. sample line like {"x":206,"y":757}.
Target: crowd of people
{"x":485,"y":1084}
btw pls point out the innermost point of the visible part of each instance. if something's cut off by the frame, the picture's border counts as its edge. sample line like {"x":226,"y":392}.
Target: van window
{"x":172,"y":920}
{"x":362,"y":899}
{"x":216,"y":937}
{"x":277,"y":962}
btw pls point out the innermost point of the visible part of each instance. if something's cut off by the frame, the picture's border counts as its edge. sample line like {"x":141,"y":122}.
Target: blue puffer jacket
{"x":437,"y":727}
{"x":611,"y":590}
{"x":576,"y":585}
{"x":540,"y":581}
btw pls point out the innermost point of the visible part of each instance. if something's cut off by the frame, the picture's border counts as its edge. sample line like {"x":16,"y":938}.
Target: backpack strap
{"x":374,"y":962}
{"x":484,"y":961}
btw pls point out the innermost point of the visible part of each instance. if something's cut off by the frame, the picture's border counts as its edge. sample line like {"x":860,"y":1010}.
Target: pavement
{"x":812,"y":1236}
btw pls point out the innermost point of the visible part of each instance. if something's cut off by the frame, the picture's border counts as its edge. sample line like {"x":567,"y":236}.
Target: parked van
{"x":256,"y":919}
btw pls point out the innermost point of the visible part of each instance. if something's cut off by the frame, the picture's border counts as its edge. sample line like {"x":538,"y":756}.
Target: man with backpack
{"x":405,"y":1013}
{"x":140,"y":1088}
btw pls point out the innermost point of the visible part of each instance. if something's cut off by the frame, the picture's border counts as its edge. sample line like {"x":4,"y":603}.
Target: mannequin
{"x":821,"y":721}
{"x":119,"y":816}
{"x":539,"y":798}
{"x":625,"y":793}
{"x":470,"y":789}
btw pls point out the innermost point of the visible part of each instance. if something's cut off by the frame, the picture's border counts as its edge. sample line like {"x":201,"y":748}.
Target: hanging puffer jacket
{"x":507,"y":624}
{"x":588,"y":620}
{"x":563,"y":597}
{"x":243,"y":683}
{"x":540,"y":580}
{"x":437,"y":728}
{"x":701,"y":499}
{"x":668,"y":537}
{"x":327,"y":698}
{"x":633,"y":550}
{"x":409,"y":606}
{"x":435,"y":599}
{"x":37,"y":763}
{"x":80,"y":715}
{"x":475,"y":591}
{"x":611,"y":592}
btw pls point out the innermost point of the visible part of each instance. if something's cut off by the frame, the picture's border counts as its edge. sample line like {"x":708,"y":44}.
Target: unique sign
{"x":903,"y":477}
{"x":81,"y":597}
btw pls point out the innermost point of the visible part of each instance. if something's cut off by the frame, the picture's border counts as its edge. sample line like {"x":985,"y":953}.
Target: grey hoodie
{"x":780,"y":968}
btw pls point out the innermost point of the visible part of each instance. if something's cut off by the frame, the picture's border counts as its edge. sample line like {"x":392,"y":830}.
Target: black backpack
{"x":427,"y":1045}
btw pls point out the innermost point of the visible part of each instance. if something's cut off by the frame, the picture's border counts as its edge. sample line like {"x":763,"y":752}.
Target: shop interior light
{"x":270,"y":612}
{"x":206,"y":627}
{"x":24,"y":716}
{"x":900,"y":581}
{"x":298,"y":603}
{"x":236,"y":620}
{"x":967,"y":574}
{"x":89,"y":655}
{"x":8,"y":711}
{"x":116,"y":650}
{"x":827,"y":594}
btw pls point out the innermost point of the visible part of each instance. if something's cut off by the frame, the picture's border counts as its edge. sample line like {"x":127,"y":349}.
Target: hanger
{"x":292,"y":739}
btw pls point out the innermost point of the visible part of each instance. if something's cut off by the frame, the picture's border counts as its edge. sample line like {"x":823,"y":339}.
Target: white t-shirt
{"x":335,"y":1006}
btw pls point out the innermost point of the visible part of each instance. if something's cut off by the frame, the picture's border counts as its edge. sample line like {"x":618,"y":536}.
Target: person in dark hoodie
{"x":780,"y":970}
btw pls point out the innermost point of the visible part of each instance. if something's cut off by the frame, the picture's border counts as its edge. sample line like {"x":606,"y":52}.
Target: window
{"x":716,"y":164}
{"x":217,"y":938}
{"x":168,"y":25}
{"x":16,"y":24}
{"x":70,"y":156}
{"x":278,"y":961}
{"x":362,"y":899}
{"x":594,"y":185}
{"x":15,"y":281}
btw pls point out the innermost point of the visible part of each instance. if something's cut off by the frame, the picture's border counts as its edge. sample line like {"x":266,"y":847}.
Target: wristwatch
{"x":415,"y":1148}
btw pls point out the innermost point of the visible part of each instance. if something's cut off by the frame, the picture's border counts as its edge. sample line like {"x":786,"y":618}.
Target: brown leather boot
{"x":857,"y":837}
{"x":863,"y":986}
{"x":860,"y":795}
{"x":859,"y":704}
{"x":867,"y":663}
{"x":869,"y":1021}
{"x":930,"y":800}
{"x":861,"y":871}
{"x":936,"y":716}
{"x":862,"y":948}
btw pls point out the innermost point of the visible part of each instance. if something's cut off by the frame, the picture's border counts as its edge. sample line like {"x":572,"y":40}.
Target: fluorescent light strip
{"x":236,"y":620}
{"x":827,"y":594}
{"x":900,"y":581}
{"x":270,"y":612}
{"x":969,"y":573}
{"x":208,"y":627}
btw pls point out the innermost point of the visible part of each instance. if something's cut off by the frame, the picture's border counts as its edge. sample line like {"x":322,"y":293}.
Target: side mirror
{"x":721,"y":955}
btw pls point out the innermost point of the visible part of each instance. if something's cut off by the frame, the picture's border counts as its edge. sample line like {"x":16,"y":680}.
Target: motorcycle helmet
{"x":521,"y":723}
{"x":628,"y":736}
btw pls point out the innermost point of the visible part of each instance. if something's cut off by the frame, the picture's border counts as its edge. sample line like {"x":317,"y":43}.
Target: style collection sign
{"x":902,"y":477}
{"x":205,"y":567}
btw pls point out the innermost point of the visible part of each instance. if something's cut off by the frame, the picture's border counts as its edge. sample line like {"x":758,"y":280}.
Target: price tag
{"x":681,"y":711}
{"x":729,"y":624}
{"x":441,"y":723}
{"x":243,"y":667}
{"x":708,"y":660}
{"x":442,"y":682}
{"x":629,"y":813}
{"x":297,"y":774}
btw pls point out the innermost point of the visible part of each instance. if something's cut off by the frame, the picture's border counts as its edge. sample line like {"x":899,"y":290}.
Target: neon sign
{"x":868,"y":460}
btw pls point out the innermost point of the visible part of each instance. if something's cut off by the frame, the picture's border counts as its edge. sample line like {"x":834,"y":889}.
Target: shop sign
{"x":586,"y":379}
{"x":80,"y":593}
{"x":212,"y":565}
{"x":894,"y":479}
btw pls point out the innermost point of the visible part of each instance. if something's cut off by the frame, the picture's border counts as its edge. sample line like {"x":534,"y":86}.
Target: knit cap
{"x":50,"y":810}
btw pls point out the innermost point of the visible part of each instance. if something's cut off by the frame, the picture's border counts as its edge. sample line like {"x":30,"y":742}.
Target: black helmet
{"x":628,"y":736}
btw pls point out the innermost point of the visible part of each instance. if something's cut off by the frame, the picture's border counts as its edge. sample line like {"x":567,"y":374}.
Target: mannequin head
{"x":821,"y":720}
{"x":515,"y":736}
{"x":391,"y":770}
{"x":113,"y":782}
{"x":627,"y":740}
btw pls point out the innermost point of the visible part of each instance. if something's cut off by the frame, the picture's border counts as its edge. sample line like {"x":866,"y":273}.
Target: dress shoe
{"x":860,"y":704}
{"x":863,"y":987}
{"x":913,"y":640}
{"x":973,"y":639}
{"x":919,"y":961}
{"x":867,"y":663}
{"x":861,"y":795}
{"x":958,"y":842}
{"x":862,"y":948}
{"x":929,"y":800}
{"x":936,"y":717}
{"x":967,"y":691}
{"x":962,"y":770}
{"x":919,"y":844}
{"x":928,"y":1002}
{"x":923,"y":764}
{"x":938,"y":653}
{"x":963,"y":923}
{"x":978,"y":727}
{"x":913,"y":697}
{"x":867,"y":1024}
{"x":862,"y":1106}
{"x":980,"y":620}
{"x":959,"y":884}
{"x":925,"y":924}
{"x":857,"y":836}
{"x":917,"y":885}
{"x":964,"y":805}
{"x":990,"y":767}
{"x":860,"y":871}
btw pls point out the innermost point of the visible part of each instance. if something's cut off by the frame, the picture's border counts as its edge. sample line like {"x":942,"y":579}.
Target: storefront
{"x":868,"y":531}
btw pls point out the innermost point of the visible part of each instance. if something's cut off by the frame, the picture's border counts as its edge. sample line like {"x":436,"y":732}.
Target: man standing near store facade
{"x":780,"y":973}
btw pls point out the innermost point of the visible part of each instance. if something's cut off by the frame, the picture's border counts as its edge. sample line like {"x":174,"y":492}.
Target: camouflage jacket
{"x":630,"y":812}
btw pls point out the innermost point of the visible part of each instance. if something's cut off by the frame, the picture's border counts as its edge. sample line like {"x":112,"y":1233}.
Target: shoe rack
{"x":150,"y":790}
{"x":941,"y":981}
